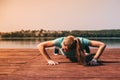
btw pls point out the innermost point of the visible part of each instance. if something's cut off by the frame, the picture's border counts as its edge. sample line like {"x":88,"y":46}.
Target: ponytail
{"x":80,"y":54}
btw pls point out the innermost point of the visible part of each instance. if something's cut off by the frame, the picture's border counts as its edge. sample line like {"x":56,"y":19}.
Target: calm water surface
{"x":33,"y":42}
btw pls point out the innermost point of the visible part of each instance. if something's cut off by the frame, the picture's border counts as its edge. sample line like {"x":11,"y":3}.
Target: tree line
{"x":53,"y":33}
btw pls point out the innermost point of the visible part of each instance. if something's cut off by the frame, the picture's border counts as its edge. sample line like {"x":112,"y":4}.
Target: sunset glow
{"x":59,"y":14}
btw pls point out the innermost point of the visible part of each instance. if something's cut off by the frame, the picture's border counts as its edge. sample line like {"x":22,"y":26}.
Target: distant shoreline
{"x":53,"y":33}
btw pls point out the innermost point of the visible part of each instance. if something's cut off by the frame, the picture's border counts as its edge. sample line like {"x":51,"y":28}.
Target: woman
{"x":73,"y":47}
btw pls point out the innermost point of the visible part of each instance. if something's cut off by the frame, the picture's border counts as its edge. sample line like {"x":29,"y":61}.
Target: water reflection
{"x":22,"y":42}
{"x":111,"y":42}
{"x":32,"y":42}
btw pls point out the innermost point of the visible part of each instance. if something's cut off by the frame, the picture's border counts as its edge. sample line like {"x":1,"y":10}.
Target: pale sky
{"x":59,"y":14}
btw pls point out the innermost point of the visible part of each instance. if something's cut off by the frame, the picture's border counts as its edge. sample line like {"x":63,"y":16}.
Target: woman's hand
{"x":51,"y":62}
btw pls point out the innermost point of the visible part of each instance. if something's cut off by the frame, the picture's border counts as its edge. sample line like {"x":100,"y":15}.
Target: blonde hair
{"x":68,"y":41}
{"x":80,"y":54}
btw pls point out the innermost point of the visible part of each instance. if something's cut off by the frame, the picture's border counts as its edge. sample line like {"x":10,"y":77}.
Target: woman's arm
{"x":100,"y":45}
{"x":43,"y":51}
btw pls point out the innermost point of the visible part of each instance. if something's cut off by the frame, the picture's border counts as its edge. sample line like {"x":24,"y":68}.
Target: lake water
{"x":33,"y":42}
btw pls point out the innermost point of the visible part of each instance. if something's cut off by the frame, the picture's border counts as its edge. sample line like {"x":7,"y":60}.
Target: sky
{"x":16,"y":15}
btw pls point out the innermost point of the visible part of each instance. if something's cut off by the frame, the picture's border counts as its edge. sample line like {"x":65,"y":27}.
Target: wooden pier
{"x":29,"y":64}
